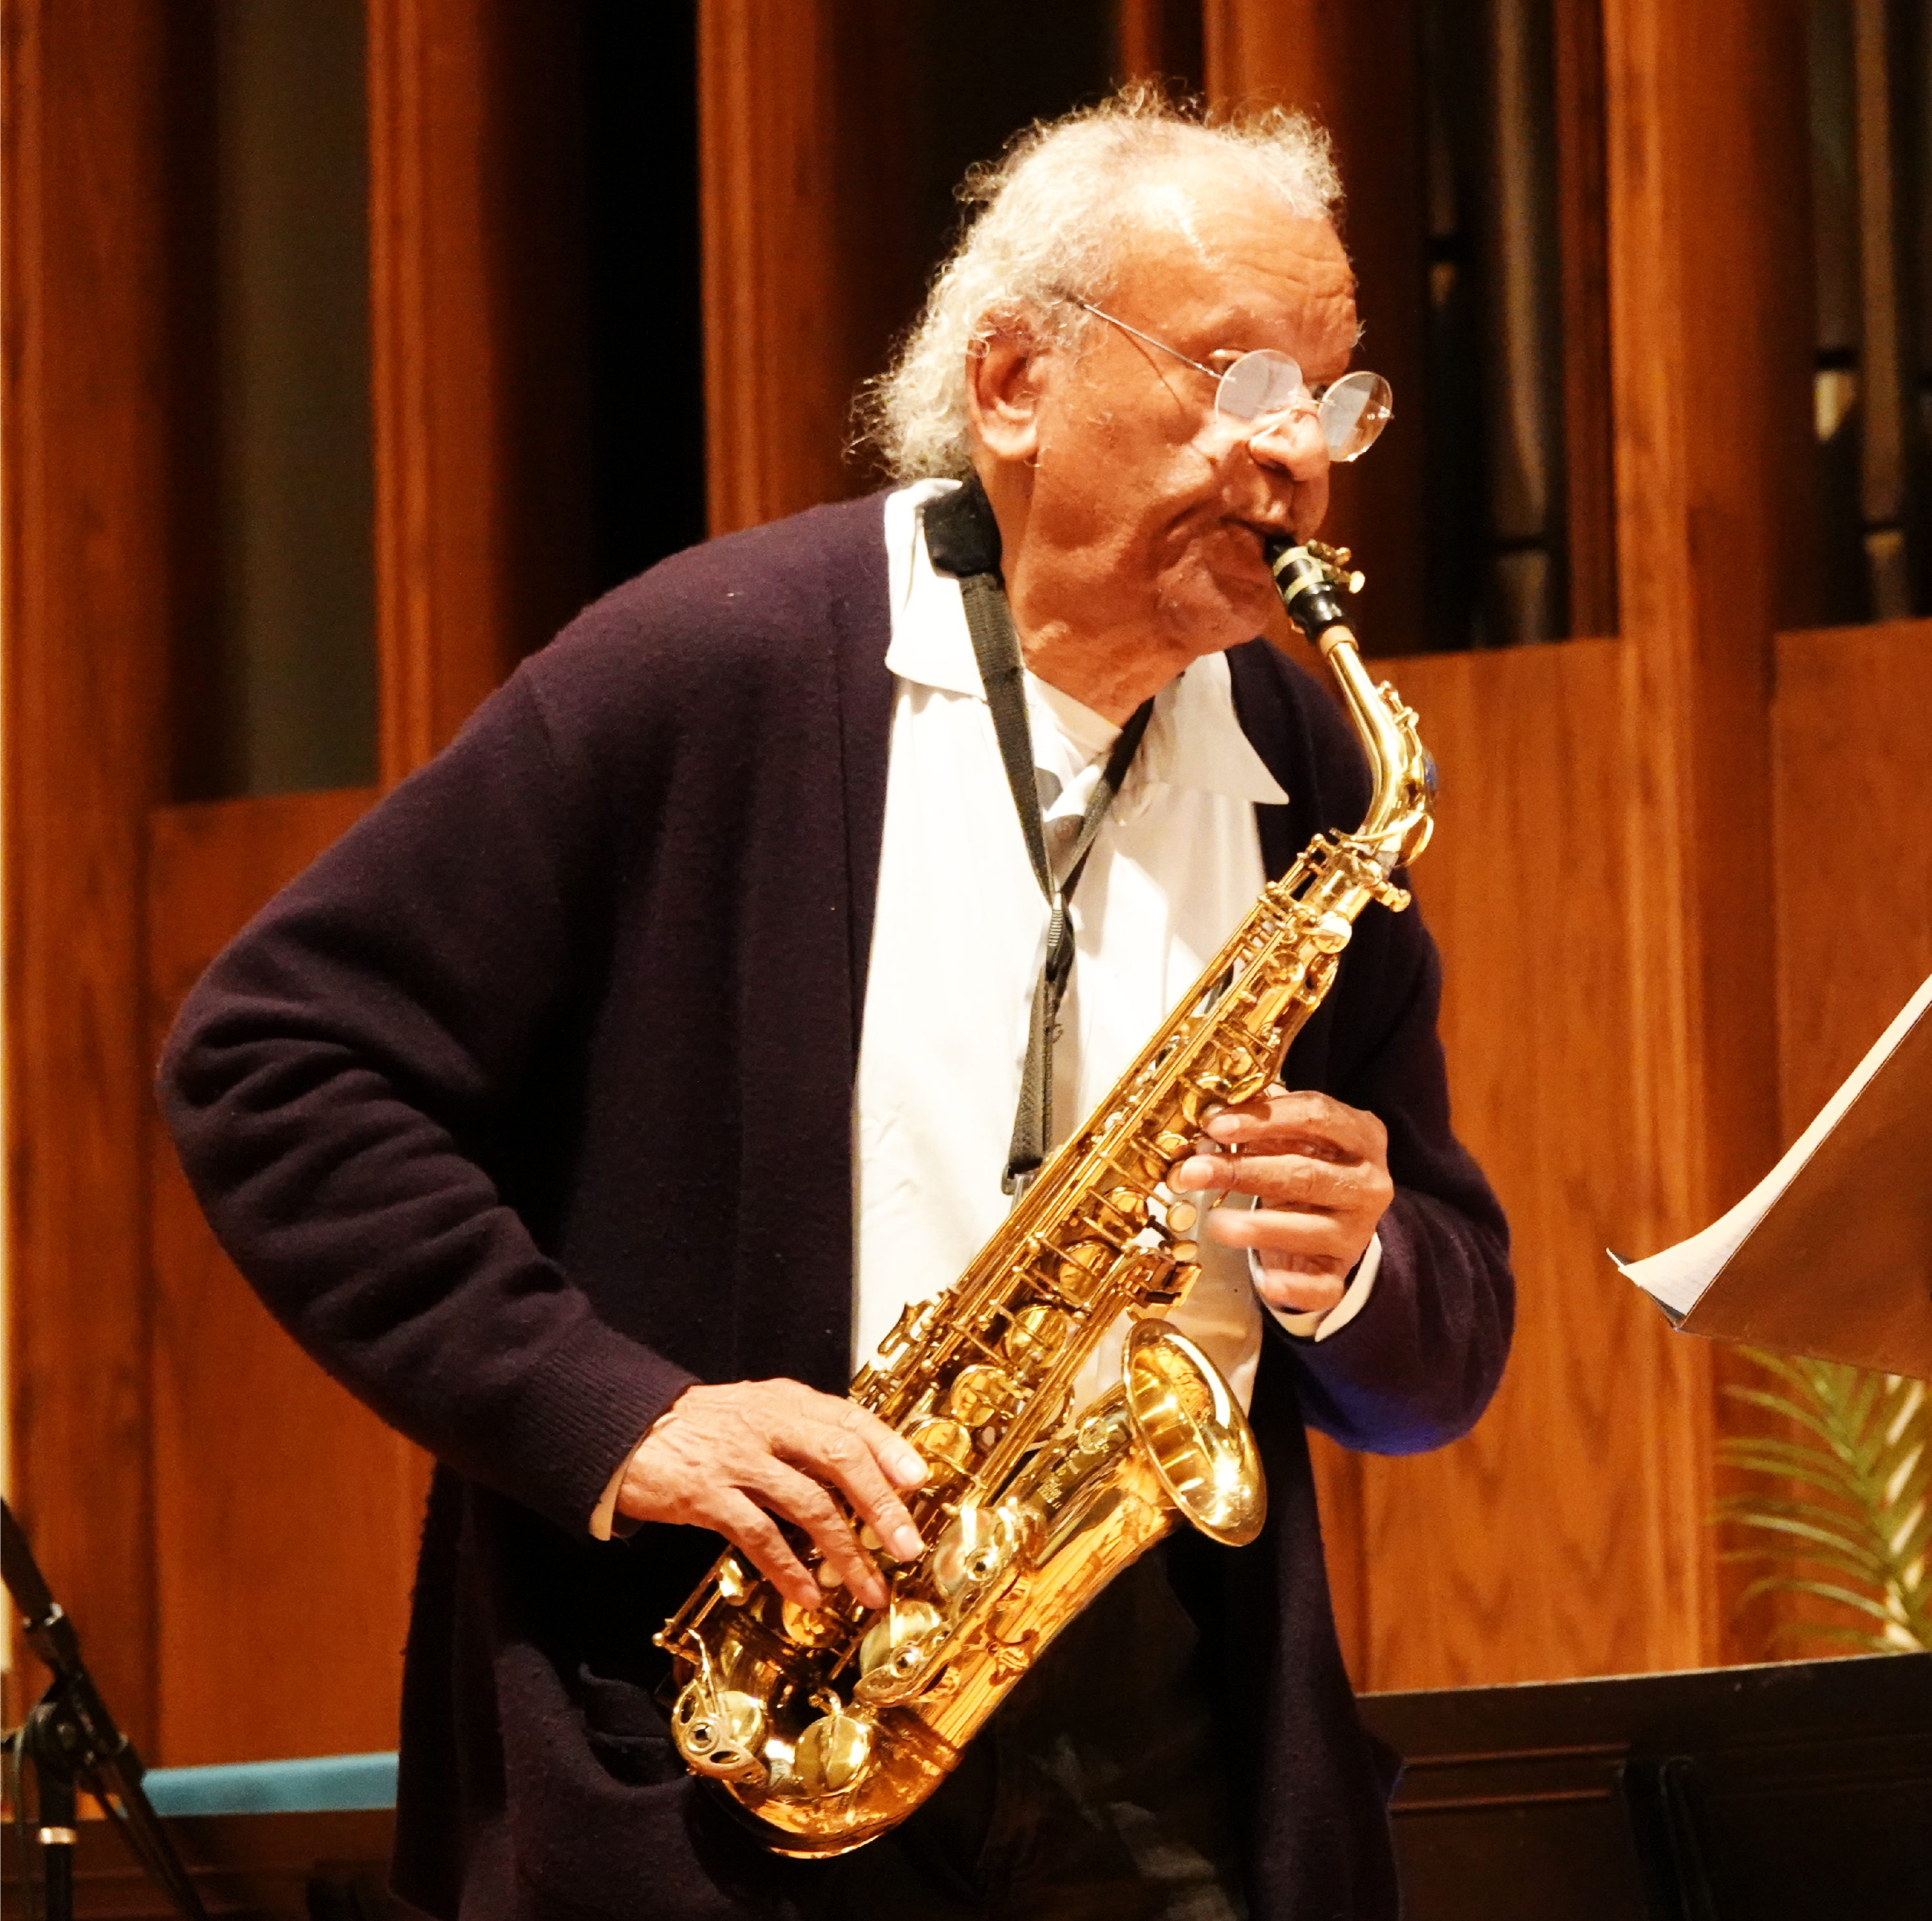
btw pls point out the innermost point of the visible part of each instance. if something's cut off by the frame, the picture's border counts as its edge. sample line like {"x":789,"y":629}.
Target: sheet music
{"x":1676,"y":1278}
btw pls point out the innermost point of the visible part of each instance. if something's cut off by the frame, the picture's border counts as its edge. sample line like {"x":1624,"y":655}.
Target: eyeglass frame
{"x":1310,"y":405}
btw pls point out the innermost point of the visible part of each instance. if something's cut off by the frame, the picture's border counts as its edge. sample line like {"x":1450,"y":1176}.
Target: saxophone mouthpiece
{"x":1309,"y":580}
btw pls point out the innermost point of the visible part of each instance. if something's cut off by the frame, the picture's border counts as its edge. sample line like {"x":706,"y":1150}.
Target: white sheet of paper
{"x":1678,"y":1276}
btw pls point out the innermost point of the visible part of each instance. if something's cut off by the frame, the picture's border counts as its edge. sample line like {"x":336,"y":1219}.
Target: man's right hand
{"x":731,"y":1458}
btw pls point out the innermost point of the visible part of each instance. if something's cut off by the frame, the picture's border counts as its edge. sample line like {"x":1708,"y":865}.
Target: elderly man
{"x":600,"y":1100}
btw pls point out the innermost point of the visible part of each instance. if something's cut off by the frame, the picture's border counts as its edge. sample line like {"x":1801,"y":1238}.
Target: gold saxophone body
{"x":828,"y":1727}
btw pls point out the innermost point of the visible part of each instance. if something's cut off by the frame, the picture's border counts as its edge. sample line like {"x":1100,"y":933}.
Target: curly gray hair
{"x":1050,"y":211}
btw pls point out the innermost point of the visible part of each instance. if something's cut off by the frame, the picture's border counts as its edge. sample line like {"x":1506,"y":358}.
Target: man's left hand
{"x":1319,"y":1171}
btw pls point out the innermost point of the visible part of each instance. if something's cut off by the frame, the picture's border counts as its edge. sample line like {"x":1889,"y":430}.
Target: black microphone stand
{"x":72,"y":1741}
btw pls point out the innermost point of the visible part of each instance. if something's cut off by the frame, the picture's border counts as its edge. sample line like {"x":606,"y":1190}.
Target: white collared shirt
{"x":959,"y":934}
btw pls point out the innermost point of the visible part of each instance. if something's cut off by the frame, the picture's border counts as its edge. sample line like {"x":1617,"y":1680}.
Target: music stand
{"x":1831,"y":1254}
{"x":72,"y":1741}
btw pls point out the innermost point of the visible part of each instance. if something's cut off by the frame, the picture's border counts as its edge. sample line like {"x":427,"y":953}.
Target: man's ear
{"x":1002,"y":390}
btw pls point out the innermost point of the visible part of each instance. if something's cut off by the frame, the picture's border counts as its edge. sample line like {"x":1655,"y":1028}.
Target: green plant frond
{"x":1905,"y":1474}
{"x":1824,"y":1591}
{"x":1911,"y":1533}
{"x":1907,"y":1398}
{"x":1915,"y":1621}
{"x":1855,"y":1399}
{"x":1755,"y":1457}
{"x":1822,"y":1523}
{"x":1859,"y":1566}
{"x":1853,"y":1638}
{"x":1849,"y":1517}
{"x":1788,"y":1410}
{"x":1787,"y":1368}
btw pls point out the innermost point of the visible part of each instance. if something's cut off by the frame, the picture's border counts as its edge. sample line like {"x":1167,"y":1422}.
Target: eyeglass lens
{"x":1351,"y":413}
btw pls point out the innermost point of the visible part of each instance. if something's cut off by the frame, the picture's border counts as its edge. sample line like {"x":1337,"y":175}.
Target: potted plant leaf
{"x":1845,"y":1516}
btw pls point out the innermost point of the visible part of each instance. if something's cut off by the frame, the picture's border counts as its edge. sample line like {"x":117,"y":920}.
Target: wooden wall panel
{"x":1549,"y":1542}
{"x":1356,"y":69}
{"x":1159,"y":41}
{"x":1854,"y":894}
{"x":476,"y":297}
{"x":86,"y":612}
{"x":808,"y":234}
{"x":286,"y":1514}
{"x":1854,"y":862}
{"x":1709,"y":323}
{"x":1710,"y":327}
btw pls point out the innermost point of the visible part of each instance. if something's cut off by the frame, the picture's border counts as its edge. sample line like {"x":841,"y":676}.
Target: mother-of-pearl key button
{"x":1182,"y":1215}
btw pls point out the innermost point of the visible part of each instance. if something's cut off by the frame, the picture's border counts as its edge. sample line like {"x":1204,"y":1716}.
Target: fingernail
{"x":906,"y":1544}
{"x":1225,"y":1126}
{"x":908,"y":1468}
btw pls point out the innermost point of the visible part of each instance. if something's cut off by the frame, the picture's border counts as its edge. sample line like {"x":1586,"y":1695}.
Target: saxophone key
{"x":982,"y":1394}
{"x":945,"y":1447}
{"x":836,"y":1752}
{"x":720,"y":1732}
{"x":1165,"y":1149}
{"x":809,"y":1627}
{"x":1083,"y":1270}
{"x":1034,"y":1338}
{"x":904,"y":1624}
{"x":976,"y":1548}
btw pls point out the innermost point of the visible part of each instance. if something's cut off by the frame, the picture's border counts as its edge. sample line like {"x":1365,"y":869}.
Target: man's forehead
{"x":1223,"y":245}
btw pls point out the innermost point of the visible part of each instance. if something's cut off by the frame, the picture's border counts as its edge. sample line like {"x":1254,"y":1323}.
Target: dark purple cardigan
{"x":530,"y":1103}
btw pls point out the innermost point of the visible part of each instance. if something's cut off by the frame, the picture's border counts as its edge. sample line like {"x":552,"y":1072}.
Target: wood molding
{"x":476,"y":287}
{"x":403,"y":365}
{"x":1589,"y":479}
{"x":776,"y":388}
{"x":87,"y":611}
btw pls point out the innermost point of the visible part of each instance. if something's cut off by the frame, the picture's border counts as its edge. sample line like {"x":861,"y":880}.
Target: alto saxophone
{"x":828,"y":1727}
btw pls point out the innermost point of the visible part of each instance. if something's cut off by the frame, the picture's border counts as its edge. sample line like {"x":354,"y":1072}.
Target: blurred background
{"x":350,"y":346}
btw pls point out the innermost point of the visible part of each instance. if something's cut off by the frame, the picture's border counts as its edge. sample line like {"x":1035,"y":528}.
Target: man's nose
{"x":1292,"y":442}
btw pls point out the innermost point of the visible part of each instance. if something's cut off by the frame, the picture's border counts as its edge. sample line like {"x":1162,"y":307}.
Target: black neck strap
{"x":963,"y":539}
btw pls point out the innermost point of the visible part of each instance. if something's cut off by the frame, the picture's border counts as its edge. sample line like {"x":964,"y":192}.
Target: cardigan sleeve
{"x":1419,"y":1363}
{"x":336,"y":1086}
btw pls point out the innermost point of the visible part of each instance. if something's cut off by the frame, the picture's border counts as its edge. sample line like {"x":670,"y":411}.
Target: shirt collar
{"x":1193,"y":739}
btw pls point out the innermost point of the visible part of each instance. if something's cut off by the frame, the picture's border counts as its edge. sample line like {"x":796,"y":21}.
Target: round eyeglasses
{"x":1259,"y":390}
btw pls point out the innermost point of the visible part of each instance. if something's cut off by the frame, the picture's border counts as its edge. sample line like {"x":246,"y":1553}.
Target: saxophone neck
{"x":1311,"y":579}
